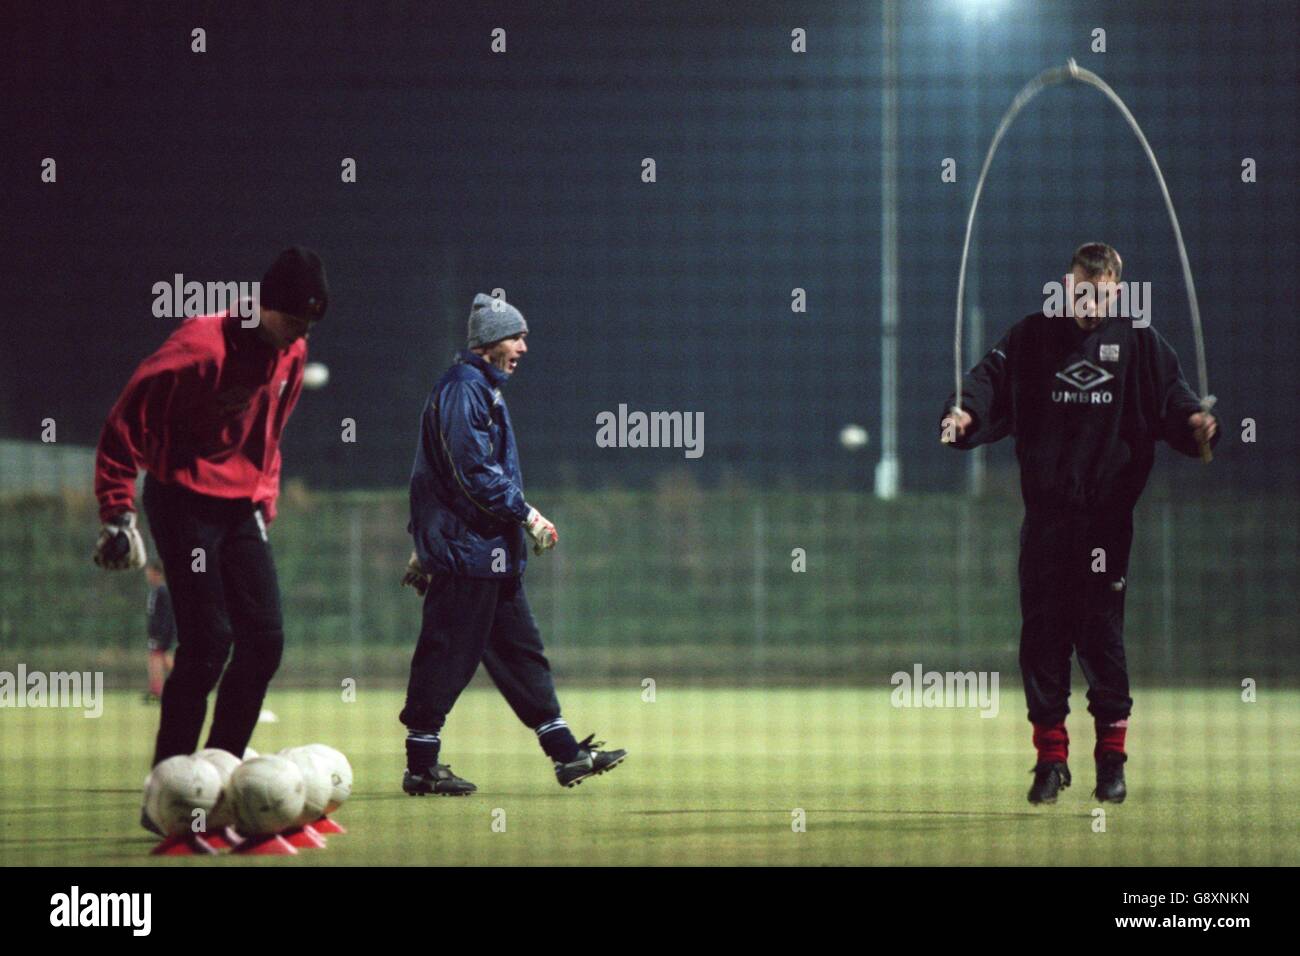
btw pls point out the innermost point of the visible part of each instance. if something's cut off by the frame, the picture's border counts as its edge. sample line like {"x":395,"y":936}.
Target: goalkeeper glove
{"x":415,"y":577}
{"x":541,"y":531}
{"x":120,"y":546}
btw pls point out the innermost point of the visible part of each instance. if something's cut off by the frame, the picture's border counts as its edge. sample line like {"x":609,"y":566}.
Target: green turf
{"x":714,"y":777}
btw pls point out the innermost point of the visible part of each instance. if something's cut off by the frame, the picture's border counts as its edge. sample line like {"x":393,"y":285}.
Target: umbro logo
{"x":1083,"y":375}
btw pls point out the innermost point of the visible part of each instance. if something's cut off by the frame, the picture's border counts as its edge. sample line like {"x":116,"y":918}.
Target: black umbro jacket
{"x":1085,"y":408}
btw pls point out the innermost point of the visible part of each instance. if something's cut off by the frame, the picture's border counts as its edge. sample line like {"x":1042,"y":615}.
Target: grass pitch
{"x":715,"y":776}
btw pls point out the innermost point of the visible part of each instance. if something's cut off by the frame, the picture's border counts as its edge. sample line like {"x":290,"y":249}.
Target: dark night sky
{"x":521,"y":171}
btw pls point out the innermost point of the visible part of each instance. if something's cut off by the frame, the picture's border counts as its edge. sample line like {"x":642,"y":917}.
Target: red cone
{"x":266,"y":846}
{"x":187,"y":844}
{"x":326,"y":825}
{"x":305,"y":838}
{"x":225,"y":839}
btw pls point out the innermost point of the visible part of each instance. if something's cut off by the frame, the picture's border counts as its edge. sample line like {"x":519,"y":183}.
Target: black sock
{"x":557,"y":740}
{"x":421,"y":750}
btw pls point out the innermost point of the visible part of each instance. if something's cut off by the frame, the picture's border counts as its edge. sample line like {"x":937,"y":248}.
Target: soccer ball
{"x":223,"y":760}
{"x":267,"y":795}
{"x":222,"y":815}
{"x":316,"y":778}
{"x":176,"y":788}
{"x":340,"y":774}
{"x":853,"y":437}
{"x":315,"y":375}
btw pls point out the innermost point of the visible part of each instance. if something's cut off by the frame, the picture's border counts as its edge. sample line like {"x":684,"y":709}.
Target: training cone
{"x":188,"y":844}
{"x":305,"y":838}
{"x":326,"y":825}
{"x":266,"y":846}
{"x":225,"y":839}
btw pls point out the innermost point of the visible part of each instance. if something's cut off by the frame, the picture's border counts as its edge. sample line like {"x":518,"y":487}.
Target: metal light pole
{"x":887,"y":469}
{"x":975,"y":334}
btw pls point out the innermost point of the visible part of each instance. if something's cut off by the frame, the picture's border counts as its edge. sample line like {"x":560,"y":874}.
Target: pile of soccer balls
{"x":213,"y":800}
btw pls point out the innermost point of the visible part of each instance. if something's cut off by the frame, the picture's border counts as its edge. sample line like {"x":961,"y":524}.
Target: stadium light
{"x":980,"y":9}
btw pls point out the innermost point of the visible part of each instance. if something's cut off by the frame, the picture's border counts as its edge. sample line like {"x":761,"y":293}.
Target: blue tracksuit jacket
{"x":467,"y":492}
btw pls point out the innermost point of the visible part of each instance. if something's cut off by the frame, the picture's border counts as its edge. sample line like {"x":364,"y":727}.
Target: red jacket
{"x":205,"y":412}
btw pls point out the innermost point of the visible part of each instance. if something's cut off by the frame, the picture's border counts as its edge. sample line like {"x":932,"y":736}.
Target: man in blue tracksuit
{"x":469,"y":520}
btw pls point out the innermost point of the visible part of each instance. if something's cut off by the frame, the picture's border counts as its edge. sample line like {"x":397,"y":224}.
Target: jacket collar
{"x":496,"y":378}
{"x":243,"y":338}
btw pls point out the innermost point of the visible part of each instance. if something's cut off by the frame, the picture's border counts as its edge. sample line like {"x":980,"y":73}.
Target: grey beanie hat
{"x":491,"y":320}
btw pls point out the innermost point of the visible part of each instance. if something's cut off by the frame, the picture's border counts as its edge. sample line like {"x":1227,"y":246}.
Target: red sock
{"x":1110,"y":737}
{"x":1052,"y":742}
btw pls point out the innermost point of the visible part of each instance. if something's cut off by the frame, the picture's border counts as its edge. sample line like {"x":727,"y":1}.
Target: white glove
{"x":416,"y":577}
{"x":120,"y":546}
{"x":541,"y":531}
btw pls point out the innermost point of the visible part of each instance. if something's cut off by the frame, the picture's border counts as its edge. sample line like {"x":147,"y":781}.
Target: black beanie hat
{"x":296,"y":284}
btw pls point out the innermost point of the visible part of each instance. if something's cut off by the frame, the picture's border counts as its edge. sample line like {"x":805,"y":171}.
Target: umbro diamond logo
{"x":1083,"y":375}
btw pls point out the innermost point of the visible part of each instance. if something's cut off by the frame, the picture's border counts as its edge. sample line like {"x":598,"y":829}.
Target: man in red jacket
{"x":202,"y":417}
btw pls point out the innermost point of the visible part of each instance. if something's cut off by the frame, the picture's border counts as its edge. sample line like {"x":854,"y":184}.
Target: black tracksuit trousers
{"x":1068,"y":607}
{"x":234,"y":600}
{"x":468,"y":620}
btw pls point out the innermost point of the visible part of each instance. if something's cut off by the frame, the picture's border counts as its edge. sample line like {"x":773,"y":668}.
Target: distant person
{"x":470,"y":522}
{"x":162,"y":631}
{"x":1086,"y":397}
{"x":203,"y":417}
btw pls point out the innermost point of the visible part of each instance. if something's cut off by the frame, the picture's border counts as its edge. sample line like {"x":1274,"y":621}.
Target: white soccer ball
{"x":315,"y":375}
{"x":267,"y":795}
{"x":853,"y":437}
{"x":176,"y":788}
{"x":223,"y":760}
{"x":317,"y":778}
{"x":222,"y":814}
{"x":340,"y":774}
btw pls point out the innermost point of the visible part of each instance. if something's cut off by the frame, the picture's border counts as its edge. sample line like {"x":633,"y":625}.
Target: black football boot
{"x":1110,"y":778}
{"x":438,"y":780}
{"x":590,"y":762}
{"x":1049,"y":780}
